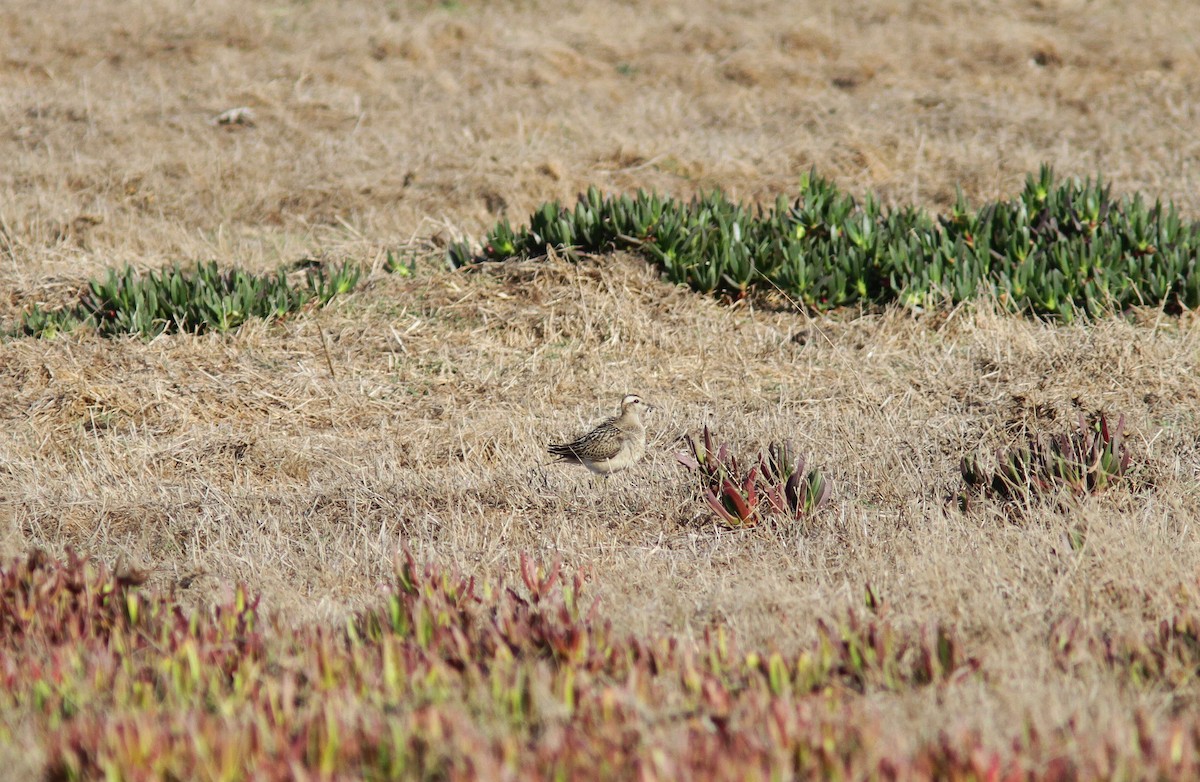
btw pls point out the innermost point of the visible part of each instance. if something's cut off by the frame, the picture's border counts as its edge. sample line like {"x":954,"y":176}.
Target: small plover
{"x":615,"y":444}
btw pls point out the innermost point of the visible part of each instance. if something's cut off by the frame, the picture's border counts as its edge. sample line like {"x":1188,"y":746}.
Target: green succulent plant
{"x":730,"y":495}
{"x":788,"y":489}
{"x":776,"y":484}
{"x":205,"y":297}
{"x":1059,"y":249}
{"x":1085,"y":461}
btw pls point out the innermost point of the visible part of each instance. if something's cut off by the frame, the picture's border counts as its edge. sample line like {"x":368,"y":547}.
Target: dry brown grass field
{"x":254,"y":457}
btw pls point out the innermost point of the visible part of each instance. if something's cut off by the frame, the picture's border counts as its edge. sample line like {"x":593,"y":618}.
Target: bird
{"x":615,"y":444}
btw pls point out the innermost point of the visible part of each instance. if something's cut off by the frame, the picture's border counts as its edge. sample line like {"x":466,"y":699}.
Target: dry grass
{"x":223,"y":458}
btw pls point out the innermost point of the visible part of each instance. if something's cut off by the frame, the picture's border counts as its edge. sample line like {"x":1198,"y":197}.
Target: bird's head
{"x":632,"y":403}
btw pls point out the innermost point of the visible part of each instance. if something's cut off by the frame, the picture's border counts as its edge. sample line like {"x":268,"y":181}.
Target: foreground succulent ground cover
{"x":448,"y":678}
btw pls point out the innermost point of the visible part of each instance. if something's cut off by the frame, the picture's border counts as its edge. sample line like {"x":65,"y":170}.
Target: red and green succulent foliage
{"x":1085,"y":461}
{"x":447,"y":677}
{"x":775,"y":486}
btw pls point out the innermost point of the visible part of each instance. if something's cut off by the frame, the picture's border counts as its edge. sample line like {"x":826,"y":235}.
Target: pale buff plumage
{"x":617,"y":443}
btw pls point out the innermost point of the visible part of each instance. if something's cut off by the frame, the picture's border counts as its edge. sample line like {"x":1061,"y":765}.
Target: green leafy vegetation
{"x":198,"y":299}
{"x":1085,"y":461}
{"x":776,"y":485}
{"x":1060,"y":248}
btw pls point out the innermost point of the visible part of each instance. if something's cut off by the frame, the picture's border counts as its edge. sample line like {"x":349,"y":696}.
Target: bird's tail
{"x":563,"y":452}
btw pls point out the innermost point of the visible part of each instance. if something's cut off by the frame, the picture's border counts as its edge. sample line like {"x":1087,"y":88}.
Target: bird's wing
{"x":602,"y":443}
